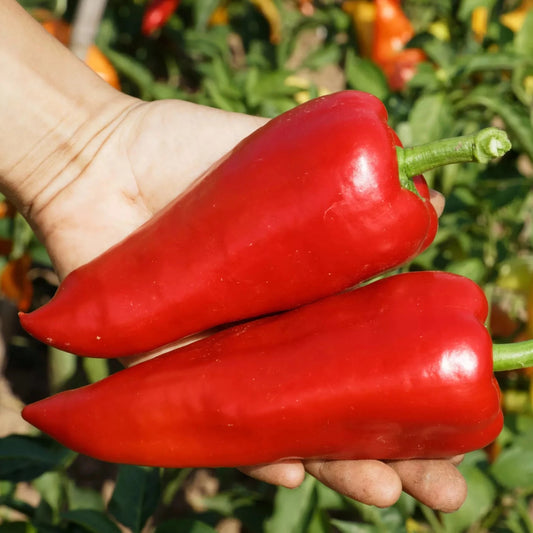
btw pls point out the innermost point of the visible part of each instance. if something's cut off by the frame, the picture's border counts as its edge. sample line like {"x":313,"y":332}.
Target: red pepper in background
{"x":401,"y":368}
{"x":156,"y":15}
{"x":392,"y":30}
{"x":312,"y":203}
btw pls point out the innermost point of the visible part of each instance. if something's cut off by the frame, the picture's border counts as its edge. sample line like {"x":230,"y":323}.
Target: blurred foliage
{"x":264,"y":57}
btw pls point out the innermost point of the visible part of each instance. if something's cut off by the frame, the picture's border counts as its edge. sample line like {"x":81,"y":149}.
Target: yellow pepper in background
{"x":363,"y":14}
{"x":514,"y":19}
{"x":270,"y":11}
{"x":479,"y":22}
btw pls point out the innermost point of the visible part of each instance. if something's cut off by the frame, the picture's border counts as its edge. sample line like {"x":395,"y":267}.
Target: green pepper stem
{"x":512,"y":356}
{"x":480,"y":147}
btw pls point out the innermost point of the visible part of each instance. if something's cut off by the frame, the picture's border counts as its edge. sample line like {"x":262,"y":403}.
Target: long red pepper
{"x":400,"y":368}
{"x":312,"y":203}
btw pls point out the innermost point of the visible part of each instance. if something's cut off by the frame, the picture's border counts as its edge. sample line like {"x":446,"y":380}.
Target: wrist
{"x":57,"y":109}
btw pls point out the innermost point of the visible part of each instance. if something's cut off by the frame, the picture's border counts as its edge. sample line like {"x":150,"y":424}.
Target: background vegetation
{"x":263,"y":57}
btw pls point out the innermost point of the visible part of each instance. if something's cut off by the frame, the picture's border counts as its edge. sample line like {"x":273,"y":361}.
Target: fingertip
{"x":369,"y":482}
{"x":293,"y":476}
{"x":457,"y":459}
{"x":388,"y":494}
{"x":288,"y":474}
{"x":452,"y":496}
{"x":437,"y":201}
{"x":435,"y":483}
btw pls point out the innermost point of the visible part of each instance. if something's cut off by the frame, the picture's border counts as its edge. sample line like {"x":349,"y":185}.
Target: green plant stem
{"x":512,"y":356}
{"x":480,"y":147}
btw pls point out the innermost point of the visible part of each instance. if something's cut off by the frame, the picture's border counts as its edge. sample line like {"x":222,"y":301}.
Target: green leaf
{"x":262,"y":86}
{"x":431,"y":118}
{"x":79,"y":497}
{"x":439,"y":52}
{"x":492,"y":62}
{"x":471,"y":267}
{"x":322,"y":56}
{"x":132,"y":69}
{"x":184,"y":525}
{"x":63,"y":366}
{"x":523,"y":42}
{"x":51,"y":486}
{"x":90,"y":520}
{"x":203,"y":9}
{"x":425,"y":78}
{"x":515,"y":116}
{"x":384,"y":520}
{"x":328,"y":498}
{"x":136,"y":496}
{"x":95,"y":368}
{"x":17,"y":527}
{"x":24,"y":458}
{"x":344,"y":526}
{"x":293,"y":508}
{"x":364,"y":75}
{"x":513,"y":468}
{"x":320,"y":522}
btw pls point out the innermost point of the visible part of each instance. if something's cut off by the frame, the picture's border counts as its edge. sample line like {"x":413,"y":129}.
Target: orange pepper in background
{"x":7,"y":209}
{"x":95,"y":59}
{"x":15,"y":283}
{"x":220,"y":16}
{"x":306,"y":7}
{"x":392,"y":31}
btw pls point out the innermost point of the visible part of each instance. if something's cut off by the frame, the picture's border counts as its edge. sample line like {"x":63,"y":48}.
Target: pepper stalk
{"x":480,"y":147}
{"x":512,"y":356}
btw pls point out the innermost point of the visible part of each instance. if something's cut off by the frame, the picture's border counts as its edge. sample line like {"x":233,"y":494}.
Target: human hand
{"x":151,"y":153}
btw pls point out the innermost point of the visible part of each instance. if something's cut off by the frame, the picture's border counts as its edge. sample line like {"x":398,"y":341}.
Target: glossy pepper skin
{"x":307,"y":206}
{"x":400,"y":368}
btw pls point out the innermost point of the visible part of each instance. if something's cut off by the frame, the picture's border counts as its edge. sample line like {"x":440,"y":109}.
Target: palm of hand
{"x":142,"y":160}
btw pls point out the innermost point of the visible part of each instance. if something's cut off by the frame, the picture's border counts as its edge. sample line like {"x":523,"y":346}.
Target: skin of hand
{"x":87,"y":165}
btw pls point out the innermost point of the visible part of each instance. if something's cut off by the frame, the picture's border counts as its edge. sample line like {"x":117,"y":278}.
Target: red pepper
{"x":156,"y":15}
{"x":392,"y":30}
{"x":400,"y":368}
{"x":310,"y":204}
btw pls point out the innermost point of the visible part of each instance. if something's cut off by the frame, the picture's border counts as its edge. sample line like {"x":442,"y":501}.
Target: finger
{"x":435,"y":482}
{"x":438,"y":201}
{"x":288,"y":474}
{"x":370,"y":482}
{"x":457,"y":459}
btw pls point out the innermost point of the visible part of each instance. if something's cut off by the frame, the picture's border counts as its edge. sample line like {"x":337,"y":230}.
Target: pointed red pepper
{"x":312,"y":203}
{"x":400,"y":368}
